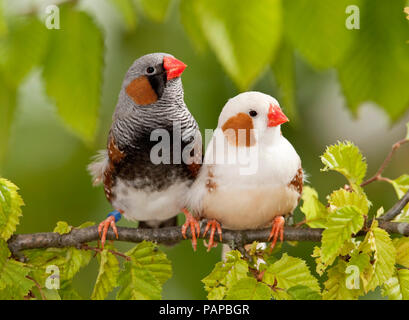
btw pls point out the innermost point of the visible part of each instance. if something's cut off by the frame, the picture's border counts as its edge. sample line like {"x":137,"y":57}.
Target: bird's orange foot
{"x":278,"y":228}
{"x":103,"y":227}
{"x":194,"y":227}
{"x":213,"y":225}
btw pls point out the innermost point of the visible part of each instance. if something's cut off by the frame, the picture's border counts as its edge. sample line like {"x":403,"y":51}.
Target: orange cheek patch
{"x":141,"y":92}
{"x":234,"y":130}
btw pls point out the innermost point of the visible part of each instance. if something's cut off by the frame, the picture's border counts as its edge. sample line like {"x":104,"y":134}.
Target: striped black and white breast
{"x":153,"y":149}
{"x":143,"y":188}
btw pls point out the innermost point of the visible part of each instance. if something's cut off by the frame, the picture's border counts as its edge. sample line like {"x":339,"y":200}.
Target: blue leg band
{"x":116,"y":214}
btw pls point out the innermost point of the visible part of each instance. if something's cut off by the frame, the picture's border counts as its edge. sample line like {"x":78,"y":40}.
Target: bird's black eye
{"x":252,"y":113}
{"x":150,"y":70}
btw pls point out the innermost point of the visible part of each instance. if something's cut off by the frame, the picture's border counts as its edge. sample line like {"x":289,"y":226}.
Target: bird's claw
{"x":277,"y":229}
{"x":103,"y":228}
{"x":213,"y":225}
{"x":194,"y":227}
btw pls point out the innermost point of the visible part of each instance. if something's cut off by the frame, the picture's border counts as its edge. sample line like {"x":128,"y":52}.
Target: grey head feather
{"x":130,"y":119}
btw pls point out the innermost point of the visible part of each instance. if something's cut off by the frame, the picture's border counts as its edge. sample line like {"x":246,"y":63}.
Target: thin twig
{"x":378,"y":174}
{"x":299,"y":224}
{"x":85,"y":246}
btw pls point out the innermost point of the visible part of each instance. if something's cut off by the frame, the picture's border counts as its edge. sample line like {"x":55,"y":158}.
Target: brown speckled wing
{"x":297,"y":182}
{"x":115,"y":156}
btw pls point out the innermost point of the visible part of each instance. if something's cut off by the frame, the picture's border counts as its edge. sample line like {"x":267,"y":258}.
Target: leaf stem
{"x":38,"y":287}
{"x":85,"y":246}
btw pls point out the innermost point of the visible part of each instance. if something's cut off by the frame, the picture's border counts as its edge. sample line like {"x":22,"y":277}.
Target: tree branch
{"x":235,"y":239}
{"x":396,"y":209}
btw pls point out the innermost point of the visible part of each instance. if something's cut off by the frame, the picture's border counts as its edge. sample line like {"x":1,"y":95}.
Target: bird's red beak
{"x":275,"y":116}
{"x":173,"y":67}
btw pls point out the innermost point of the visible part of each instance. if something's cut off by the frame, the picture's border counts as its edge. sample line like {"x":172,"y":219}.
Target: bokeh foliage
{"x":229,"y":45}
{"x":245,"y":37}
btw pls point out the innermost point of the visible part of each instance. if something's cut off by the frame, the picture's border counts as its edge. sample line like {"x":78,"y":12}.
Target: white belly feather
{"x":249,"y":208}
{"x":147,"y":205}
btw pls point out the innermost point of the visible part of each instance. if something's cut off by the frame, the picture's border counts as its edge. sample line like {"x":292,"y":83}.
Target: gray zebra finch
{"x":139,"y":187}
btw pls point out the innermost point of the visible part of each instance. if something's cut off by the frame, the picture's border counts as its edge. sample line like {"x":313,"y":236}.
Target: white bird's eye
{"x":150,"y":70}
{"x":252,"y":113}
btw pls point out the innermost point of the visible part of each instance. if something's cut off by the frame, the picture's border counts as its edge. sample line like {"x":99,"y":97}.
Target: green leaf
{"x":148,"y":256}
{"x":342,"y":198}
{"x":73,"y":71}
{"x":75,"y":260}
{"x":67,"y":291}
{"x":224,"y":275}
{"x":62,"y":227}
{"x":85,"y":225}
{"x":303,"y":293}
{"x":340,"y":226}
{"x":284,"y":73}
{"x":22,"y":48}
{"x":378,"y":53}
{"x":138,"y":284}
{"x":378,"y":242}
{"x":13,"y":282}
{"x":336,"y":285}
{"x":127,"y":11}
{"x":145,"y":273}
{"x":360,"y":260}
{"x":68,"y":260}
{"x":346,"y":159}
{"x":10,"y":208}
{"x":107,"y":276}
{"x":289,"y":272}
{"x":45,"y":294}
{"x":315,"y":212}
{"x":397,"y":287}
{"x":321,"y":266}
{"x":402,"y":251}
{"x":249,"y":289}
{"x":317,"y":30}
{"x":401,"y":185}
{"x":189,"y":15}
{"x":156,"y":9}
{"x":52,"y":294}
{"x":229,"y":37}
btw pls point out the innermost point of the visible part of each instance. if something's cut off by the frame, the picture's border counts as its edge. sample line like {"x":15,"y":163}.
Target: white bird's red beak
{"x":275,"y":116}
{"x":173,"y":67}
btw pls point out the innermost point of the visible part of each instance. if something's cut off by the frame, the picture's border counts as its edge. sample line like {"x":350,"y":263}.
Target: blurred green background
{"x":58,"y":90}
